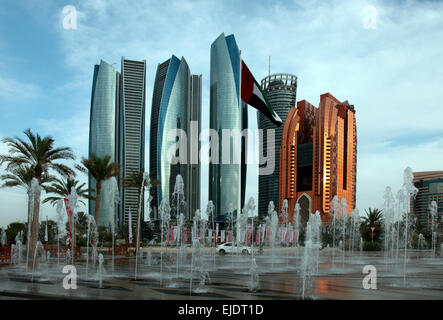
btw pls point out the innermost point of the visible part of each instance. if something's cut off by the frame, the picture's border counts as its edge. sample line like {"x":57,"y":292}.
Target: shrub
{"x":371,"y":246}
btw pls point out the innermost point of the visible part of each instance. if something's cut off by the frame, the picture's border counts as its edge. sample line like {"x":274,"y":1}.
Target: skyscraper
{"x":226,"y":180}
{"x":117,"y":128}
{"x":318,"y":156}
{"x":281,"y":91}
{"x":176,"y":102}
{"x":132,"y":132}
{"x":103,"y":129}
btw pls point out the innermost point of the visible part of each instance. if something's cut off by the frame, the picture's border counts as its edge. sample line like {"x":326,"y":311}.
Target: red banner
{"x":230,"y":236}
{"x":268,"y":234}
{"x":216,"y":233}
{"x":257,"y":236}
{"x":249,"y":233}
{"x":69,"y":212}
{"x":185,"y":234}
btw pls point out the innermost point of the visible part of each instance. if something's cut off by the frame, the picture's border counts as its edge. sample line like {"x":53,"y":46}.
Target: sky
{"x":385,"y":57}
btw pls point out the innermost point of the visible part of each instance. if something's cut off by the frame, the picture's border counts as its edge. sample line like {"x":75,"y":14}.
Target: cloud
{"x":16,"y":90}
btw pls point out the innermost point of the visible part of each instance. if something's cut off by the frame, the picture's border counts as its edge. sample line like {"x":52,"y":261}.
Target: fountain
{"x":113,"y":194}
{"x":297,"y":221}
{"x":310,"y":257}
{"x":344,"y":219}
{"x":433,"y":209}
{"x":254,"y":284}
{"x":410,"y":191}
{"x":100,"y":270}
{"x":274,"y":225}
{"x":165,"y":216}
{"x":137,"y":236}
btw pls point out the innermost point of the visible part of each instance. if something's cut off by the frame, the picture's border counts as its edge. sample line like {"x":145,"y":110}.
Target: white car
{"x":229,"y":247}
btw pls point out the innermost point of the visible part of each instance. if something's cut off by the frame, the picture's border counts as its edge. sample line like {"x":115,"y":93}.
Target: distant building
{"x":281,"y":91}
{"x":430,"y":188}
{"x":318,"y":156}
{"x":117,"y":128}
{"x":176,"y":101}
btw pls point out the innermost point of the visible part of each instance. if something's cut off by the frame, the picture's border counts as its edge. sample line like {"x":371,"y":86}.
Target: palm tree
{"x":62,"y":188}
{"x":135,"y":180}
{"x":22,"y":176}
{"x":100,"y":169}
{"x":373,"y":219}
{"x":40,"y":154}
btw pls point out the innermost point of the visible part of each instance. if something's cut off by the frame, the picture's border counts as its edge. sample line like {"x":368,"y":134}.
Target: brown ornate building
{"x":318,"y":156}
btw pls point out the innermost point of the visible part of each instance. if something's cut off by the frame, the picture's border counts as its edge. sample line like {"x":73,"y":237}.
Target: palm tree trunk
{"x":97,"y":202}
{"x":35,"y":222}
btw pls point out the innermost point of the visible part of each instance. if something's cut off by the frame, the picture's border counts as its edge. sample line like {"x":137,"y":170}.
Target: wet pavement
{"x":280,"y":277}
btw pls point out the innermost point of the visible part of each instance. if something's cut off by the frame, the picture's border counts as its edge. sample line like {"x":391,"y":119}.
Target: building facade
{"x":103,"y":126}
{"x":117,"y":128}
{"x":227,"y":181}
{"x":318,"y":156}
{"x":176,"y":102}
{"x":430,"y":188}
{"x":281,"y":91}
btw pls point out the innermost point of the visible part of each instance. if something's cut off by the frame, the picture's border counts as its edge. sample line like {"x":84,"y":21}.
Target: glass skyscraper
{"x":226,"y":112}
{"x":176,"y":101}
{"x":281,"y":91}
{"x":132,"y":132}
{"x":103,"y":130}
{"x":117,"y":128}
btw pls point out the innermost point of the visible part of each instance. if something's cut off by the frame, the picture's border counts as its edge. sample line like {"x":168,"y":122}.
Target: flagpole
{"x":240,"y":126}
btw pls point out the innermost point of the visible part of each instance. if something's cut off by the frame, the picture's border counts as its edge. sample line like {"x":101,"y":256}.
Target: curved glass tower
{"x":281,"y":91}
{"x":103,"y":133}
{"x":176,"y":101}
{"x":225,"y":189}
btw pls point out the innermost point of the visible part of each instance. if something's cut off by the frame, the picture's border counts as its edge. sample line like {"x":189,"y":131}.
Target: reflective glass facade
{"x":117,"y":128}
{"x":176,"y":101}
{"x":225,"y":188}
{"x":103,"y":131}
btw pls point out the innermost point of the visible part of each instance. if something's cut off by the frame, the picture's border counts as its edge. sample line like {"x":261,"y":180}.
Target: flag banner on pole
{"x":216,"y":233}
{"x":222,"y":236}
{"x":202,"y":236}
{"x":249,"y":234}
{"x":69,"y":212}
{"x":257,"y":236}
{"x":185,"y":234}
{"x":252,"y":94}
{"x":230,"y":236}
{"x":171,"y":234}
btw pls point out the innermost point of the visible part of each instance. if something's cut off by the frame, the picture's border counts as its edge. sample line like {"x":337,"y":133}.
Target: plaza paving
{"x":279,"y":278}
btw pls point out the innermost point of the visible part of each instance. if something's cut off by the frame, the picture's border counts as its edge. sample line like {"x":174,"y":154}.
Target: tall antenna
{"x":269,"y":66}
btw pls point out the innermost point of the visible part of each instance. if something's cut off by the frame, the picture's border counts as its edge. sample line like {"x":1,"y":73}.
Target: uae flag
{"x":252,"y":94}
